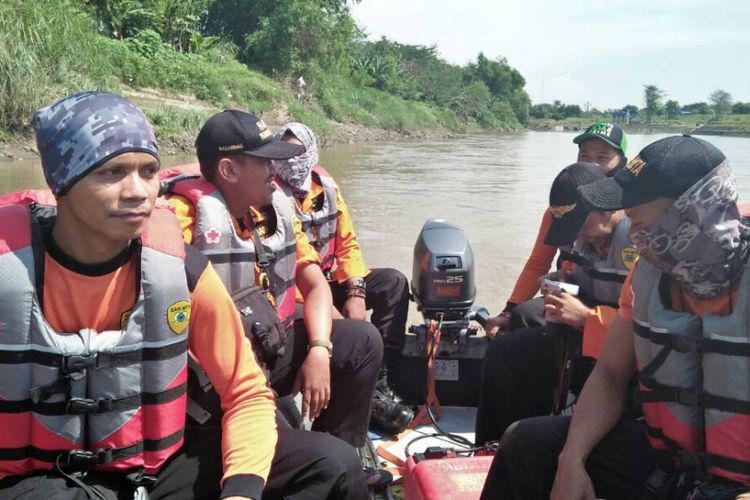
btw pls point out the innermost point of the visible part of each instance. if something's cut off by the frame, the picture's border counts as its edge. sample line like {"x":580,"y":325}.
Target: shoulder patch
{"x":629,"y":256}
{"x":178,"y":316}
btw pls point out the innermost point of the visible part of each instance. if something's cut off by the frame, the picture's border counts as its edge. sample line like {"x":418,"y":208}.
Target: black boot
{"x":389,"y":414}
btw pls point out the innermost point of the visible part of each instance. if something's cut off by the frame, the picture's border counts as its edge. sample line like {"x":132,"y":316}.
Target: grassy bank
{"x":732,"y":124}
{"x":52,"y":48}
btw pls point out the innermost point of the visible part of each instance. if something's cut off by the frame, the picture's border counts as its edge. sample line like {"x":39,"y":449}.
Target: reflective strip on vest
{"x":602,"y":278}
{"x":319,"y":225}
{"x":120,"y":393}
{"x":695,"y":377}
{"x":234,"y":258}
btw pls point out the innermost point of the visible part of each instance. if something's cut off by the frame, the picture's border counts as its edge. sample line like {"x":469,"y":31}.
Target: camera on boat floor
{"x":443,"y":287}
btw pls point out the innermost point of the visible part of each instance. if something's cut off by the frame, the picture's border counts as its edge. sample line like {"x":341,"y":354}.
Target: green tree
{"x":722,"y":103}
{"x":672,"y":108}
{"x":652,"y":96}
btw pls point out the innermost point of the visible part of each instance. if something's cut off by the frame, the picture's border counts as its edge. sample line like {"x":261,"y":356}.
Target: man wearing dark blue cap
{"x":683,"y":330}
{"x":522,"y":367}
{"x":99,"y":294}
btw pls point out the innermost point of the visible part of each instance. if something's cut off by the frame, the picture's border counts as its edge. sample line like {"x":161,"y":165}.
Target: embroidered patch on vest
{"x":178,"y":316}
{"x":629,"y":256}
{"x":212,"y":236}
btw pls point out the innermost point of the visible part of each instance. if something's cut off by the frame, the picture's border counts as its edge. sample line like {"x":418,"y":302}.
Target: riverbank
{"x":730,"y":125}
{"x":178,"y":118}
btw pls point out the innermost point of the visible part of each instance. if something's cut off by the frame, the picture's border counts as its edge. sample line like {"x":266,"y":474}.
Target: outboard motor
{"x":442,"y":277}
{"x":443,"y":287}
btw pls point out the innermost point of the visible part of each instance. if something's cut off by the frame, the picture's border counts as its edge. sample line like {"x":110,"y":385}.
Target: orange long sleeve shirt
{"x":349,"y":260}
{"x":74,"y":300}
{"x":537,"y":265}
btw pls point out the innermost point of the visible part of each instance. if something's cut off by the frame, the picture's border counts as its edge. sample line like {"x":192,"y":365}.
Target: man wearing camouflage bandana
{"x":99,"y":293}
{"x":683,"y":331}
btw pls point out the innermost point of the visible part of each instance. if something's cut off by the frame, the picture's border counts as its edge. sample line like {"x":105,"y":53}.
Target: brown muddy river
{"x":495,"y":187}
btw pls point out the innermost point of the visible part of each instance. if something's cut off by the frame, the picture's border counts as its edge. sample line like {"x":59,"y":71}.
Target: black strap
{"x":692,"y":398}
{"x":313,"y":222}
{"x":682,"y":343}
{"x":167,"y":185}
{"x":327,"y":259}
{"x":87,"y":459}
{"x":321,"y":242}
{"x":700,"y":462}
{"x":80,"y":406}
{"x":95,"y":360}
{"x":589,"y":269}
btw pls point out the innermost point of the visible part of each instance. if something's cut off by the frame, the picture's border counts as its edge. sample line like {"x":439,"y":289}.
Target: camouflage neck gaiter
{"x":701,"y":240}
{"x":297,"y":171}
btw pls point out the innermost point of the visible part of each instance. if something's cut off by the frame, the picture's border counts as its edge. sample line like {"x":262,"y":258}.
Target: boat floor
{"x":454,"y":419}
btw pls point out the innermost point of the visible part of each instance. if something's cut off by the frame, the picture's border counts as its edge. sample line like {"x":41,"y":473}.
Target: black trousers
{"x":306,"y":466}
{"x":526,"y":463}
{"x":388,"y":298}
{"x":518,"y":379}
{"x":355,"y":365}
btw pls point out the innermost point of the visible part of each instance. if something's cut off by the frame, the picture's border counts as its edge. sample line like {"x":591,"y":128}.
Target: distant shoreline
{"x":718,"y":129}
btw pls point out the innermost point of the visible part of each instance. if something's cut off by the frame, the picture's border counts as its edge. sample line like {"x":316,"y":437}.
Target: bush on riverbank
{"x":51,"y":48}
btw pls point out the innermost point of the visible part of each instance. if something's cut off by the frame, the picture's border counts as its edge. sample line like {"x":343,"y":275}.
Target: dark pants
{"x":388,"y":298}
{"x":306,"y":466}
{"x":518,"y":380}
{"x":526,"y":463}
{"x":356,"y":361}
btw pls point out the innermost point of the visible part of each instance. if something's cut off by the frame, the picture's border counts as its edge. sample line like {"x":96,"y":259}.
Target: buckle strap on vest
{"x":692,"y":398}
{"x":85,"y":457}
{"x":85,"y":406}
{"x":77,"y":362}
{"x":318,"y":221}
{"x":682,"y":343}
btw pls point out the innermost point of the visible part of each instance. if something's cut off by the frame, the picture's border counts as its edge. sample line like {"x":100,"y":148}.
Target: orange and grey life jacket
{"x":235,"y":258}
{"x":320,"y":224}
{"x":694,"y":377}
{"x":110,"y":400}
{"x":600,"y":278}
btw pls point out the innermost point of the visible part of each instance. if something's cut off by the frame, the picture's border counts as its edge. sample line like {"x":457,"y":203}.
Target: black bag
{"x":261,"y":324}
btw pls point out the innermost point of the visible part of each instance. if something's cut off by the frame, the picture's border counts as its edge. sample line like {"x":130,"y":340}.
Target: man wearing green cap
{"x":683,"y":331}
{"x":602,"y":143}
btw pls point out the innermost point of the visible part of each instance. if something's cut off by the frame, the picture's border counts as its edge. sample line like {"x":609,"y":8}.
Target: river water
{"x":495,"y":187}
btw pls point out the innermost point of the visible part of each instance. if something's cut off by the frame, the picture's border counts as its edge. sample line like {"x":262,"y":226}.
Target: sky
{"x":596,"y":52}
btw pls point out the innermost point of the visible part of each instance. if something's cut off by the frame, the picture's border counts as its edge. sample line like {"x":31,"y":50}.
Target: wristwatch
{"x":322,"y":343}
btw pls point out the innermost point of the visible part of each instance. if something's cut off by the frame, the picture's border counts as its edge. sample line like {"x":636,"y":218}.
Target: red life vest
{"x":111,"y":400}
{"x":233,"y":257}
{"x":320,"y":224}
{"x":693,"y":375}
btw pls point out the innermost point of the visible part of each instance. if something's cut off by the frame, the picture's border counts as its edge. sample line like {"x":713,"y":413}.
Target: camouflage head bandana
{"x":701,"y":240}
{"x":80,"y":132}
{"x":296,"y":171}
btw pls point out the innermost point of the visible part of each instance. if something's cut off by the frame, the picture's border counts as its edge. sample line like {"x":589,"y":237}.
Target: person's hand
{"x":494,"y":325}
{"x":314,"y":380}
{"x":743,"y":496}
{"x":572,"y":482}
{"x":566,"y":309}
{"x":354,"y":308}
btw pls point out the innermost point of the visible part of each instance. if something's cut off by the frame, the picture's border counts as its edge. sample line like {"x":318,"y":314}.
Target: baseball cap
{"x":568,"y":213}
{"x":81,"y":131}
{"x":665,"y":168}
{"x":234,"y":132}
{"x":611,"y":133}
